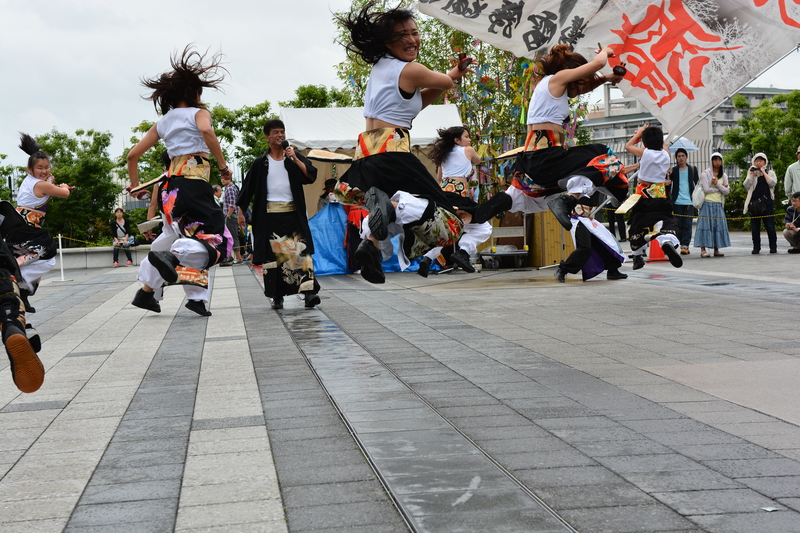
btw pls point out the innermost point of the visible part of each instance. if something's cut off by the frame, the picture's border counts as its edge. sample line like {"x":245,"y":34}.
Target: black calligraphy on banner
{"x":573,"y":32}
{"x":464,"y":8}
{"x":508,"y":16}
{"x":543,"y":31}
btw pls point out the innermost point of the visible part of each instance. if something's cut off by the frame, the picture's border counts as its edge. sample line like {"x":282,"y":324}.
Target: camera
{"x":753,"y":169}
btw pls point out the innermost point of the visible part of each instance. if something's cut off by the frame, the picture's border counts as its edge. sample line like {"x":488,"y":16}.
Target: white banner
{"x":683,"y":57}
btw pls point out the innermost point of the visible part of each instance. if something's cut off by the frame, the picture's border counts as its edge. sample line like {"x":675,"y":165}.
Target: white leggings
{"x":474,"y":234}
{"x":33,"y":271}
{"x":189,"y":252}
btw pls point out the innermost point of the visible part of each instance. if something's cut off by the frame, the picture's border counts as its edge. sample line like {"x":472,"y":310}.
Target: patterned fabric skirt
{"x":30,"y":240}
{"x":292,"y":271}
{"x":712,"y":228}
{"x":188,"y":199}
{"x":545,"y":167}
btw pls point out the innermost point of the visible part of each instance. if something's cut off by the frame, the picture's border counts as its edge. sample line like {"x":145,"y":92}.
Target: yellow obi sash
{"x":280,"y":207}
{"x":651,"y":190}
{"x":456,"y":185}
{"x":33,"y":218}
{"x":382,"y":140}
{"x":190,"y":166}
{"x":540,"y":139}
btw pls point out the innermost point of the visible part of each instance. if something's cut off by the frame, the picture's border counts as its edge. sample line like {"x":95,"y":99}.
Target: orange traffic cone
{"x":656,"y":253}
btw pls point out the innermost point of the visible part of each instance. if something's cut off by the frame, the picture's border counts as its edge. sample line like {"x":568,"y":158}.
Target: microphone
{"x":285,"y":145}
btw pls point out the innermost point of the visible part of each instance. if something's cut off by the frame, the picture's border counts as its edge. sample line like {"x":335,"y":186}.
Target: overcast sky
{"x":76,"y":64}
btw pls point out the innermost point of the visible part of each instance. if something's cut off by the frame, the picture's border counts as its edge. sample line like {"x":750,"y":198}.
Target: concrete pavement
{"x":497,"y":401}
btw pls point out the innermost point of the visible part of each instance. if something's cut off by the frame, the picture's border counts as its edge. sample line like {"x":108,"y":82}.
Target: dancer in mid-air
{"x":194,"y":235}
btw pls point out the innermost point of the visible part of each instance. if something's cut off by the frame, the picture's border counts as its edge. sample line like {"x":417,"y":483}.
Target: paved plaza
{"x":500,"y":401}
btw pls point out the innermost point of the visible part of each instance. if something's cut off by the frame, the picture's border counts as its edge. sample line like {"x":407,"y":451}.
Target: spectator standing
{"x":712,"y":228}
{"x":229,"y":196}
{"x":218,"y":196}
{"x":325,"y":198}
{"x":791,"y":221}
{"x":760,"y":202}
{"x":681,"y":182}
{"x":791,"y":180}
{"x":121,"y":232}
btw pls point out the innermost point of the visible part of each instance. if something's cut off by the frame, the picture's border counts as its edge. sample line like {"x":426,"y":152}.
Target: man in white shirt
{"x":282,"y":241}
{"x":791,"y":181}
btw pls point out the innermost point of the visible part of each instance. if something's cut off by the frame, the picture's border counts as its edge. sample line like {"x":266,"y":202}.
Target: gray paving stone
{"x":785,"y":522}
{"x":626,"y":519}
{"x":703,"y":502}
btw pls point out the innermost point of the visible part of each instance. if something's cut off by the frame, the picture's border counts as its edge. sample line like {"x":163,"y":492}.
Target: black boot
{"x":198,"y":306}
{"x":165,"y":263}
{"x":615,"y":274}
{"x":561,"y":275}
{"x":33,"y":338}
{"x":381,"y":212}
{"x":562,"y":207}
{"x":424,"y":267}
{"x":672,"y":254}
{"x":23,"y":294}
{"x":312,"y":300}
{"x":369,"y":259}
{"x":146,"y":300}
{"x":492,"y":207}
{"x":277,"y":303}
{"x":638,"y":262}
{"x":461,"y":258}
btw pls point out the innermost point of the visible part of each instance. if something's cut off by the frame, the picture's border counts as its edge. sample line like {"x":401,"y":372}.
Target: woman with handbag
{"x":121,"y":233}
{"x":712,"y":228}
{"x":760,"y":202}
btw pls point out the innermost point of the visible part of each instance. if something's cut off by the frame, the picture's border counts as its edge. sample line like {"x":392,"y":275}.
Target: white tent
{"x":335,"y":128}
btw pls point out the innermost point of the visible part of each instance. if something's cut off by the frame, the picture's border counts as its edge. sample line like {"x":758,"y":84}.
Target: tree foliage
{"x":312,"y":96}
{"x":82,"y":161}
{"x":242,"y":130}
{"x":150,"y":166}
{"x":8,"y":174}
{"x":772,"y":127}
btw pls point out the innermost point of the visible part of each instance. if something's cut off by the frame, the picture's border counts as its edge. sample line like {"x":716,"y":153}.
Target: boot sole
{"x":466,"y":266}
{"x":164,"y":270}
{"x":369,"y":270}
{"x":26,"y":368}
{"x":674,"y":257}
{"x":377,"y":203}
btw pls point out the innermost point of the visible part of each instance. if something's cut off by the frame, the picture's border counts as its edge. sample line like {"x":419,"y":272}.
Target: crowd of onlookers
{"x":708,"y":206}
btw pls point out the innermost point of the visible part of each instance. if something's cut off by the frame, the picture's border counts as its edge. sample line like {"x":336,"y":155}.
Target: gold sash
{"x":280,"y":207}
{"x":190,"y":166}
{"x":33,"y":218}
{"x":382,"y":140}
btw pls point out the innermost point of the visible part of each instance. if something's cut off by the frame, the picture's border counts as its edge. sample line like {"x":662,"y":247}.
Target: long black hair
{"x":444,"y":144}
{"x":371,"y":30}
{"x":32,"y":148}
{"x":185,"y":82}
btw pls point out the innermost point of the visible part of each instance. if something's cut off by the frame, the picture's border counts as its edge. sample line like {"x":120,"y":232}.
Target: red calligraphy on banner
{"x":668,"y":36}
{"x":789,"y":21}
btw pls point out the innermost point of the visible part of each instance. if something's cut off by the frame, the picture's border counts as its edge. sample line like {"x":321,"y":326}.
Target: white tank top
{"x":653,"y":166}
{"x":26,"y":197}
{"x":179,"y":130}
{"x":456,"y":164}
{"x":383,"y":100}
{"x":278,"y":187}
{"x":545,"y":107}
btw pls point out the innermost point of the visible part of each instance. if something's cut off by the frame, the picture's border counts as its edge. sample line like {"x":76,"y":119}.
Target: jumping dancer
{"x":651,"y":215}
{"x":454,"y":156}
{"x":392,"y":184}
{"x":596,"y":250}
{"x":31,"y":244}
{"x":545,"y":167}
{"x":194,"y":237}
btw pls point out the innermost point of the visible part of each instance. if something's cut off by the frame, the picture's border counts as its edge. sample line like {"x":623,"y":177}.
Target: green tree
{"x":772,"y":127}
{"x":243,"y":130}
{"x":8,"y":173}
{"x":82,"y":161}
{"x":307,"y":96}
{"x":150,"y":166}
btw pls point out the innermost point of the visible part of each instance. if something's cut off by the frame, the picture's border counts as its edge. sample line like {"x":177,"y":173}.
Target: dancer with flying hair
{"x":30,"y":243}
{"x":453,"y":155}
{"x":194,"y":236}
{"x":546,"y":166}
{"x":391,"y":183}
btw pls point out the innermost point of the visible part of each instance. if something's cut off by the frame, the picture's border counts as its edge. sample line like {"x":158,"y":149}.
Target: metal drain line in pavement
{"x":438,"y":478}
